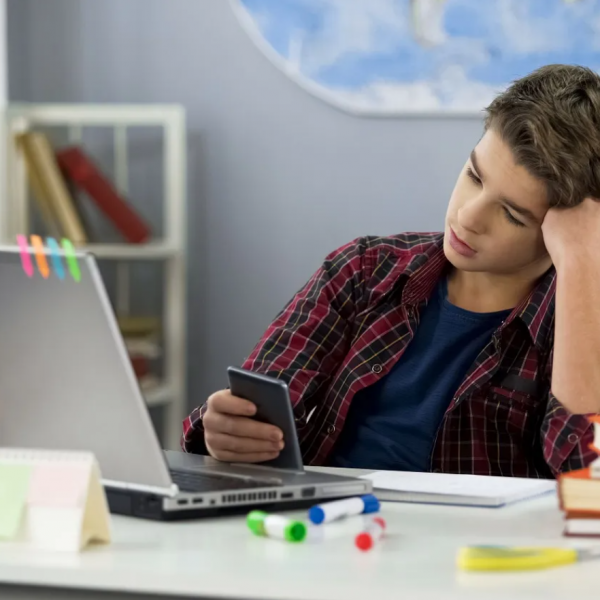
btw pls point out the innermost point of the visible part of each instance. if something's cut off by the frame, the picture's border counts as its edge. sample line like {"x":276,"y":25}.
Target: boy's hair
{"x":550,"y":119}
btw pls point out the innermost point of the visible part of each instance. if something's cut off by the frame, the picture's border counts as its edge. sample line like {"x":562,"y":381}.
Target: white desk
{"x":220,"y":558}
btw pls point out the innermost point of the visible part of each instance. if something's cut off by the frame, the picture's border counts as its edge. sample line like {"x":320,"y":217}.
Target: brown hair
{"x":551,"y":121}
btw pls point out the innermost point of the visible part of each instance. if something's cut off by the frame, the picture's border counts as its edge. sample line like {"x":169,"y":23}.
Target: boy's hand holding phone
{"x":232,"y":435}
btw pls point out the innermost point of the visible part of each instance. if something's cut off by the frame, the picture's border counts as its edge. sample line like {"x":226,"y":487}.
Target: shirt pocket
{"x":517,"y":417}
{"x":508,"y":396}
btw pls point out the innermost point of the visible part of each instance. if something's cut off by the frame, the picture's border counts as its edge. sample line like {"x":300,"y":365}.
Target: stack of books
{"x":55,"y":175}
{"x":142,"y":340}
{"x":579,"y":494}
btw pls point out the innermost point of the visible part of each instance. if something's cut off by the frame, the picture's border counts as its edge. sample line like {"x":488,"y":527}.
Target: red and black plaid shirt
{"x":349,"y":325}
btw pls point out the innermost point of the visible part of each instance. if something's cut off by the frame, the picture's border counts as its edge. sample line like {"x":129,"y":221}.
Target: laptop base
{"x":147,"y":506}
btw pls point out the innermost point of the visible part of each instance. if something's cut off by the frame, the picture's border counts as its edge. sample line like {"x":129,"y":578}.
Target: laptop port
{"x":287,"y":495}
{"x":182,"y":501}
{"x":309,"y":492}
{"x":197,"y":500}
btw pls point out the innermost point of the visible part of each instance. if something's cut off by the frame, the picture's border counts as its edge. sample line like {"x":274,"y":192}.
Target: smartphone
{"x":273,"y":405}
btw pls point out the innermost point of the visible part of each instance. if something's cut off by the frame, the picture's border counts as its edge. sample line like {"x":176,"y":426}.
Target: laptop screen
{"x":66,"y":381}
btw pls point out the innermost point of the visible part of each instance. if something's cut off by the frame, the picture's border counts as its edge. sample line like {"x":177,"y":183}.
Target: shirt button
{"x":331,"y":429}
{"x":573,"y":438}
{"x":376,"y":368}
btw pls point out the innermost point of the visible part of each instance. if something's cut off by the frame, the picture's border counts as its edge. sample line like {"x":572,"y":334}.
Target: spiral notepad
{"x":52,"y":500}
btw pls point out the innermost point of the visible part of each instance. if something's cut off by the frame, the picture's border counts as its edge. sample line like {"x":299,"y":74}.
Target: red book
{"x":78,"y":167}
{"x":582,"y":524}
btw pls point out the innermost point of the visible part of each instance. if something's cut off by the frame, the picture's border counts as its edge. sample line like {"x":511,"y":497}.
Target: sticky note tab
{"x":14,"y":485}
{"x":25,"y":257}
{"x":57,"y":263}
{"x":40,"y":256}
{"x":71,"y":259}
{"x":59,"y":485}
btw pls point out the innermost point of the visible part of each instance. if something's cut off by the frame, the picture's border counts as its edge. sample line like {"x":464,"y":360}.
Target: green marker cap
{"x":295,"y":531}
{"x":255,"y":521}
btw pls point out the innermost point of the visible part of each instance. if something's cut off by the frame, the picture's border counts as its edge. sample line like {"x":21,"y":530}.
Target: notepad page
{"x":472,"y":486}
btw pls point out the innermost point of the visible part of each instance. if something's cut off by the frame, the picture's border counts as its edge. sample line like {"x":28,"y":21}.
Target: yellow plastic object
{"x":517,"y":558}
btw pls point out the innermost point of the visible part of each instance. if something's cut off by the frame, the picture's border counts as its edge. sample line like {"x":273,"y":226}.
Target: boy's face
{"x":494,"y":218}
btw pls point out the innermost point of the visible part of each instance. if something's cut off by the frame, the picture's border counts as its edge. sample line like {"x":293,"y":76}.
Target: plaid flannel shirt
{"x":350,"y":324}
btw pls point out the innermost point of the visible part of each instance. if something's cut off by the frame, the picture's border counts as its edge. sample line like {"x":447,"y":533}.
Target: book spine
{"x":567,"y":533}
{"x":56,"y":190}
{"x":36,"y":182}
{"x":82,"y":171}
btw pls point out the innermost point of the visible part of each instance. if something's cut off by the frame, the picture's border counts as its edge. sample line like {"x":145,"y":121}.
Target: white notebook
{"x":466,"y":490}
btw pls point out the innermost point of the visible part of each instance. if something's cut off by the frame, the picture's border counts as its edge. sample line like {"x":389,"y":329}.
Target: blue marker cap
{"x":316,"y":515}
{"x":371,"y":504}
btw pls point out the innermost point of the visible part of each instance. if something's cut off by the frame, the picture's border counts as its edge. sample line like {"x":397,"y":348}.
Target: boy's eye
{"x":511,"y":219}
{"x":471,"y":175}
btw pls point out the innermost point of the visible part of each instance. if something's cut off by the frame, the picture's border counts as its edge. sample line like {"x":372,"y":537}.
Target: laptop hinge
{"x":170,"y":492}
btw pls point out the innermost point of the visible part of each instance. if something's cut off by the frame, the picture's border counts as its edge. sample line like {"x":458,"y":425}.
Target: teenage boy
{"x":475,"y":350}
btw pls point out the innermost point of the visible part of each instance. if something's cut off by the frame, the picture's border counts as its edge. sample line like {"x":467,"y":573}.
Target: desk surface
{"x":219,"y":558}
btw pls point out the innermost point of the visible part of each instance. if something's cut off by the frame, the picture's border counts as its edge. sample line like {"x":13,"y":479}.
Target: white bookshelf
{"x":170,"y":249}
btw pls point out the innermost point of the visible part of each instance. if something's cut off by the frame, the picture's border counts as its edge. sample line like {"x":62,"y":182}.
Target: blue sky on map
{"x":351,"y":44}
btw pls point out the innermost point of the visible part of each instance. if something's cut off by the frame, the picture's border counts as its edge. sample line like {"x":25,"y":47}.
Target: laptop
{"x":66,"y":383}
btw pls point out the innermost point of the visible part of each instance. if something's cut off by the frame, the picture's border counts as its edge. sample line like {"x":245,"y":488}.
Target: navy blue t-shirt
{"x":392,"y":424}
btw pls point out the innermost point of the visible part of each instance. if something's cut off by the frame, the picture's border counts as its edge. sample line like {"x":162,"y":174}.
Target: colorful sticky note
{"x":55,"y":253}
{"x":71,"y":259}
{"x":59,"y":485}
{"x":14,"y":486}
{"x":25,"y":257}
{"x":40,"y":256}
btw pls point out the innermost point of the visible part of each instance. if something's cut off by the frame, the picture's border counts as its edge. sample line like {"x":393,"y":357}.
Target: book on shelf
{"x":138,"y":325}
{"x":149,"y":383}
{"x":56,"y":205}
{"x":148,"y":347}
{"x":79,"y":168}
{"x":141,"y":335}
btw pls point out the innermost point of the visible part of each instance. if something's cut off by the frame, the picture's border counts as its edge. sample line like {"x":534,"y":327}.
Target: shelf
{"x":168,"y":248}
{"x":96,"y":114}
{"x":149,"y":251}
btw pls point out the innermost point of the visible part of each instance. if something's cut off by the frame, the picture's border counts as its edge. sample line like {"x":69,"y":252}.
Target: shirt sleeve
{"x":566,"y":437}
{"x":308,"y":340}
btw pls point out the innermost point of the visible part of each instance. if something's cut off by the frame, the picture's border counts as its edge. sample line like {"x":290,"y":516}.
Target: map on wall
{"x":387,"y":57}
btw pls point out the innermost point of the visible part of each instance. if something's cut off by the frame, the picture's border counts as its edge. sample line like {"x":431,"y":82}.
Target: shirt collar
{"x":536,"y":311}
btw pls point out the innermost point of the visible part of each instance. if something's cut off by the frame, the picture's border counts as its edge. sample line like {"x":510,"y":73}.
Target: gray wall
{"x":277,"y":179}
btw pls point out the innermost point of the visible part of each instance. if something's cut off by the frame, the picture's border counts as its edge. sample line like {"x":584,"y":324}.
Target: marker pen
{"x":330,"y":511}
{"x":276,"y":526}
{"x":371,"y":535}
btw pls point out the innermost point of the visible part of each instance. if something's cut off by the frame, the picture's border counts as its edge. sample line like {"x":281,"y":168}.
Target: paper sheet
{"x":472,"y":486}
{"x":14,"y":485}
{"x":59,"y":485}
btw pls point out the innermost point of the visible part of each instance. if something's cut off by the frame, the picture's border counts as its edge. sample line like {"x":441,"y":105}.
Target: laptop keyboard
{"x":192,"y":481}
